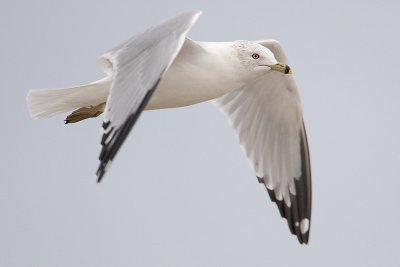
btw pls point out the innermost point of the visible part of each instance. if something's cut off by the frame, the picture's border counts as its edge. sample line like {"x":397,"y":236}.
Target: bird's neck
{"x":221,"y":66}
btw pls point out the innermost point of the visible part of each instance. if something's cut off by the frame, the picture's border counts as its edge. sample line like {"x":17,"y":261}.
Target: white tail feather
{"x":50,"y":102}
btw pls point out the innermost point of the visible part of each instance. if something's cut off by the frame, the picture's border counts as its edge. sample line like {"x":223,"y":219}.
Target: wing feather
{"x":137,"y":66}
{"x":267,"y":117}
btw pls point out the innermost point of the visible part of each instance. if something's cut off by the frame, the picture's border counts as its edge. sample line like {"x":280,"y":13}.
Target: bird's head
{"x":257,"y":59}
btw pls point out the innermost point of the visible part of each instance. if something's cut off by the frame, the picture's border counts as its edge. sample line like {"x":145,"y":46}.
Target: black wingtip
{"x":100,"y":172}
{"x":294,"y":217}
{"x":298,"y":210}
{"x":100,"y":177}
{"x":113,"y":138}
{"x":305,"y":239}
{"x":293,"y":213}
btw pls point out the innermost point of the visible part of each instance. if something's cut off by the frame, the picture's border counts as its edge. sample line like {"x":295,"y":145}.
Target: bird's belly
{"x":179,"y":88}
{"x":174,"y":95}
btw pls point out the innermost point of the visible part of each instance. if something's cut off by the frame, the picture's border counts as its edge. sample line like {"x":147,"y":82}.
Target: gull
{"x":249,"y":81}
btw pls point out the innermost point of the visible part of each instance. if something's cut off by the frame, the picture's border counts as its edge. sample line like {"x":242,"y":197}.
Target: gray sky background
{"x":181,"y":192}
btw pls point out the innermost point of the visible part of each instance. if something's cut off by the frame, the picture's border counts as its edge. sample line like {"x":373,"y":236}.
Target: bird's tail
{"x":50,"y":102}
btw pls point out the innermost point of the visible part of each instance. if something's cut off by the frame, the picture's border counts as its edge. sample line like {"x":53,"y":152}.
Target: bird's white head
{"x":256,"y":59}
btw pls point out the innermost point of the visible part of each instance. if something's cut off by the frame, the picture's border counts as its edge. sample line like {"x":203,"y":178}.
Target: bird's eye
{"x":255,"y":56}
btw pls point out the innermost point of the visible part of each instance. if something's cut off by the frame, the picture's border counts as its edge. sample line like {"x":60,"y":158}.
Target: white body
{"x":259,"y":96}
{"x":191,"y":77}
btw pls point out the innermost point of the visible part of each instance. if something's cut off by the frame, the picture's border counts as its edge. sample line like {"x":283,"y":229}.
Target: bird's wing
{"x":267,"y":117}
{"x":137,"y":67}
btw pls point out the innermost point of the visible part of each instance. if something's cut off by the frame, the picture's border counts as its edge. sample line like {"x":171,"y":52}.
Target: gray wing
{"x":267,"y":117}
{"x":137,"y":67}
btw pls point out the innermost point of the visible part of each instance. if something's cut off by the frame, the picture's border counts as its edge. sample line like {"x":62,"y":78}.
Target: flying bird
{"x":249,"y":81}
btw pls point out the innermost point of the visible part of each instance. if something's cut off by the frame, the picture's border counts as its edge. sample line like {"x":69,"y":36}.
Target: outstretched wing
{"x":267,"y":117}
{"x":137,"y":67}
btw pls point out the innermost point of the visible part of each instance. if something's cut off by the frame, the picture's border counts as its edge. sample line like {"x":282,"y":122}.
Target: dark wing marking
{"x":110,"y":148}
{"x":300,"y":207}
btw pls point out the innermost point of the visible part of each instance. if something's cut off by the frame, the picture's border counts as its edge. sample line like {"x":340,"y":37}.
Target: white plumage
{"x":250,"y":81}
